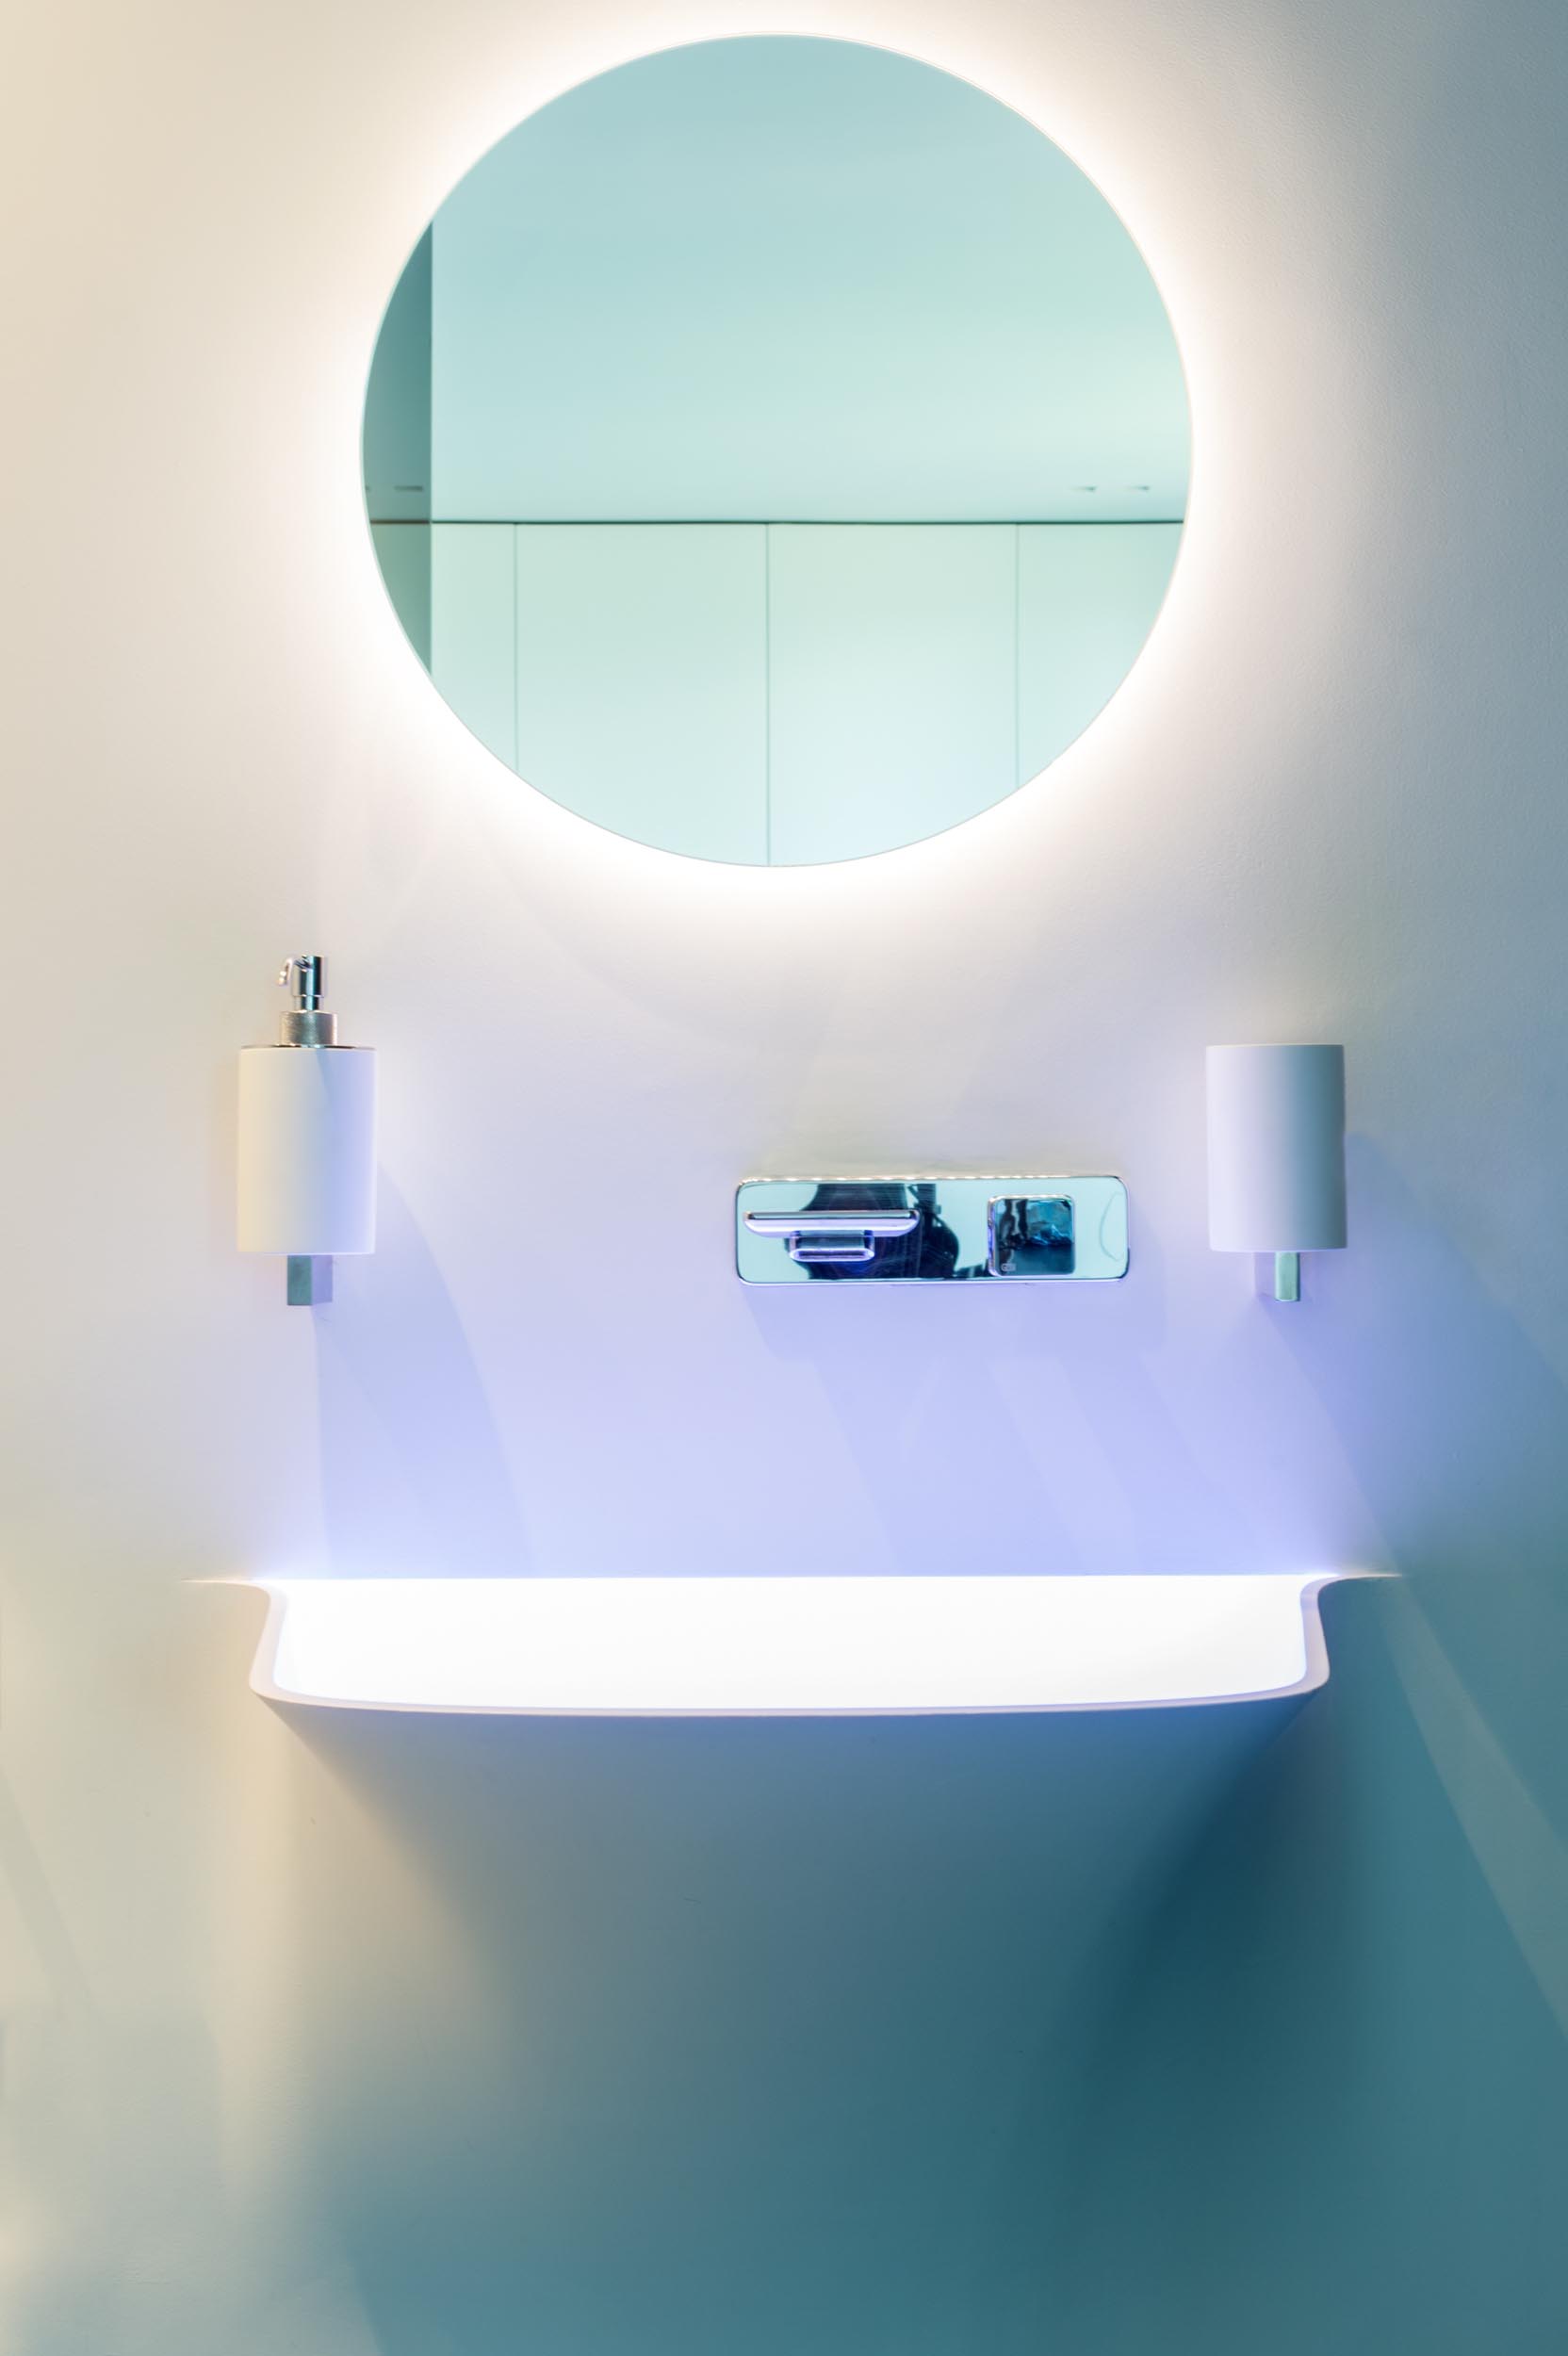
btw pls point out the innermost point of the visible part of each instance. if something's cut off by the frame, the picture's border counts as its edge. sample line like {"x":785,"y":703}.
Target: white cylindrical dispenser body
{"x":1277,"y":1148}
{"x":307,"y":1150}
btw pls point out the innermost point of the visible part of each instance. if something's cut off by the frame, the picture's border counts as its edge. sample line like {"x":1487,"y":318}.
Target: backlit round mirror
{"x":775,"y":450}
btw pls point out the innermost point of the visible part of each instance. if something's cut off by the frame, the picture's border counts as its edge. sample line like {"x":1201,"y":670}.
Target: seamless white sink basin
{"x":791,"y":1647}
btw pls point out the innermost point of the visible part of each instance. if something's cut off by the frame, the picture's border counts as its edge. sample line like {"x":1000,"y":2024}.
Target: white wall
{"x":416,"y":2039}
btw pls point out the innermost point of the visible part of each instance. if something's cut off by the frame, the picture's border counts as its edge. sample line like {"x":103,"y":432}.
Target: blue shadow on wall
{"x":415,"y":1472}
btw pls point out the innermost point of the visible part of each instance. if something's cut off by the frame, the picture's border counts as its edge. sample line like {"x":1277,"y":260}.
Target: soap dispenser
{"x":307,"y":1141}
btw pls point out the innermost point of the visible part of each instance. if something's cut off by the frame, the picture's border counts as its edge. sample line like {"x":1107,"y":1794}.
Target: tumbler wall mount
{"x":1277,"y":1156}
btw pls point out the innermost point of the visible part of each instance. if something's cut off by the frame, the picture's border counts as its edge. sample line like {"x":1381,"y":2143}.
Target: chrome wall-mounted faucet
{"x":903,"y":1231}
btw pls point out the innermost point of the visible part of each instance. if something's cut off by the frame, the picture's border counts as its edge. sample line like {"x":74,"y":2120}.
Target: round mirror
{"x":775,"y":450}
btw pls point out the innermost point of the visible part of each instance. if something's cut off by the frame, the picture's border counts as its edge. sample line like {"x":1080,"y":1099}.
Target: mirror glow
{"x":788,"y":1646}
{"x":777,"y":450}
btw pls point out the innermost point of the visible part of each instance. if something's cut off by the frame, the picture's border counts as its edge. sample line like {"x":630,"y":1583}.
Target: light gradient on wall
{"x":1100,"y":2032}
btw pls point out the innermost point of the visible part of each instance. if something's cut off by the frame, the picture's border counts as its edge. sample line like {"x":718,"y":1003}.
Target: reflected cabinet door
{"x":642,"y":695}
{"x":1087,"y":595}
{"x":472,"y":634}
{"x":891,"y":688}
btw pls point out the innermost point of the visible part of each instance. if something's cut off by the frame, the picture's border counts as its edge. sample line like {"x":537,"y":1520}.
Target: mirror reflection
{"x":775,"y":450}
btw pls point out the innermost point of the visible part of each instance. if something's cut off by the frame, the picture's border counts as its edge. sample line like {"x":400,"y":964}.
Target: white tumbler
{"x":1276,"y":1154}
{"x":308,"y":1142}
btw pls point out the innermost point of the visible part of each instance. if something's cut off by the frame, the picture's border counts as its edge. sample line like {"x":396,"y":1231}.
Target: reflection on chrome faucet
{"x":1031,"y":1236}
{"x":926,"y":1246}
